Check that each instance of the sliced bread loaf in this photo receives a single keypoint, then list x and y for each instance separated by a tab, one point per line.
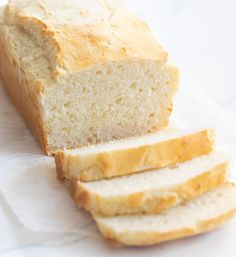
152	191
199	215
134	154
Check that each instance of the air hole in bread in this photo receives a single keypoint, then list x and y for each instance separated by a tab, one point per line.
90	140
67	105
119	100
154	88
133	85
98	72
151	114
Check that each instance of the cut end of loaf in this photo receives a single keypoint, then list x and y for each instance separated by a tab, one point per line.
109	101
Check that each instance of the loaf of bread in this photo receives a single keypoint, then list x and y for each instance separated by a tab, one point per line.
202	214
152	191
82	72
135	154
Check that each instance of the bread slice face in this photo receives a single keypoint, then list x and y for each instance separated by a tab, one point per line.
152	191
202	214
113	100
132	155
79	73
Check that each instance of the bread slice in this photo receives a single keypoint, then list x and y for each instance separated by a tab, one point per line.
202	214
79	74
134	154
152	191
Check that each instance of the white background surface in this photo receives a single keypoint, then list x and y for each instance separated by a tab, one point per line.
200	36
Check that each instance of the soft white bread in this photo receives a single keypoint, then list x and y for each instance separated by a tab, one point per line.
202	214
152	191
79	74
134	154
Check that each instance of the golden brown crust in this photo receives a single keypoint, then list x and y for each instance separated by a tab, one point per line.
126	161
150	201
58	161
17	87
107	32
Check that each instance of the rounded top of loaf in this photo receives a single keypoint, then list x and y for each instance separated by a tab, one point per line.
78	34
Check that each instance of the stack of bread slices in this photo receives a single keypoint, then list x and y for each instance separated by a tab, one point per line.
153	188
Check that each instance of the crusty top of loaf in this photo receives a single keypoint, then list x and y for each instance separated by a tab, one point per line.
76	34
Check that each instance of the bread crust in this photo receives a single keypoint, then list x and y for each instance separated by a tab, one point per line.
17	87
149	201
78	30
143	238
127	161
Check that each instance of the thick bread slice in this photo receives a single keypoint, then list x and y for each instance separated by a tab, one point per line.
199	215
152	191
79	74
134	154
